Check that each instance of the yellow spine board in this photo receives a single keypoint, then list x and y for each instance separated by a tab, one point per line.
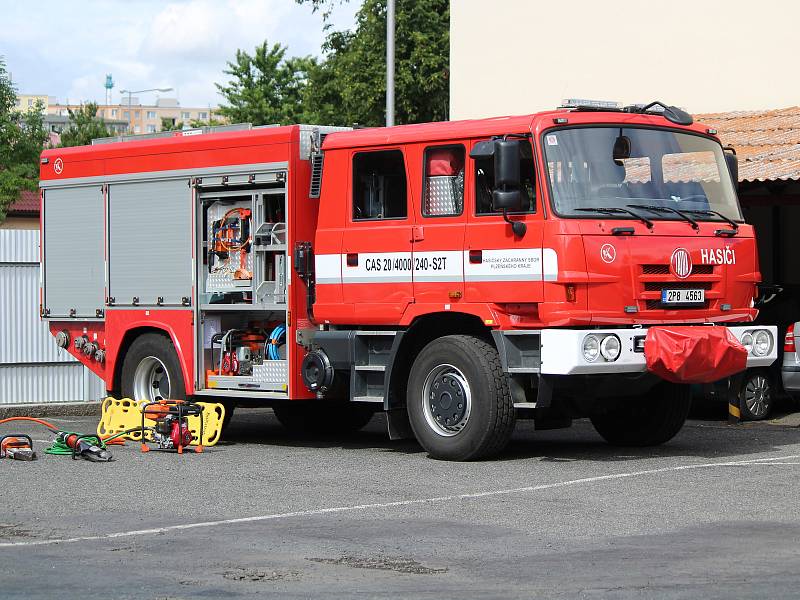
120	415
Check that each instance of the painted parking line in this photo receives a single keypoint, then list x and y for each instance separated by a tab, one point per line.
774	461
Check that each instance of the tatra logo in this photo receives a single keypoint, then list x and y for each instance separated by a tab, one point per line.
58	166
608	253
718	256
680	263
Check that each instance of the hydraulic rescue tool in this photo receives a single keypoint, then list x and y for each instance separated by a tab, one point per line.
78	445
17	447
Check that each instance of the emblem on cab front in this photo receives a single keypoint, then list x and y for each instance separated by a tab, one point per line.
608	253
680	263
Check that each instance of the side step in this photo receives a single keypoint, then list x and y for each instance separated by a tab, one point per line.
372	355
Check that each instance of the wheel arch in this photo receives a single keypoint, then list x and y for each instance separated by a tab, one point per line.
421	332
134	332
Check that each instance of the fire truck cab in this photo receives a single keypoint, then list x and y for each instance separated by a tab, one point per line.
589	261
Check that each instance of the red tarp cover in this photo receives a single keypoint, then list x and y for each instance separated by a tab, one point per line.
693	354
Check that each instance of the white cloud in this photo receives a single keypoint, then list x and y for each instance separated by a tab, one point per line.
148	43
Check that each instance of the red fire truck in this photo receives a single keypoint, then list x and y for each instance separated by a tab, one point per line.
588	261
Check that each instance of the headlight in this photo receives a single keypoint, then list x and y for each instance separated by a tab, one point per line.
762	343
591	348
610	348
747	342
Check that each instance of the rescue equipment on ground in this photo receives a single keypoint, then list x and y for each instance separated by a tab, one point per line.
694	354
17	446
130	416
78	445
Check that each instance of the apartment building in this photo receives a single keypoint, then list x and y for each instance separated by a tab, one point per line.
145	118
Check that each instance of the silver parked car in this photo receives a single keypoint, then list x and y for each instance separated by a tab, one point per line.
790	368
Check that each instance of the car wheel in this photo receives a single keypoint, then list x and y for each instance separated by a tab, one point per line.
756	396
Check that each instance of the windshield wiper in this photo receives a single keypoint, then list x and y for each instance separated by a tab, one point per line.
730	221
615	210
668	209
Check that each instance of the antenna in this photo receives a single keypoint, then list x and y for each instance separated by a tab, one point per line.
108	85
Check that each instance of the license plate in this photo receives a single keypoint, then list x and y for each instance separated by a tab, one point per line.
683	297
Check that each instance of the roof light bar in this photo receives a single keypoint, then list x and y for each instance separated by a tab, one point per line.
585	103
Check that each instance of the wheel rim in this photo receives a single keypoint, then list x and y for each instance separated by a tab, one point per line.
757	396
446	400
151	380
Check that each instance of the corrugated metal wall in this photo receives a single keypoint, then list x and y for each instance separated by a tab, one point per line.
32	367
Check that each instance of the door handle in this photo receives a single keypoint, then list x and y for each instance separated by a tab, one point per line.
352	259
417	233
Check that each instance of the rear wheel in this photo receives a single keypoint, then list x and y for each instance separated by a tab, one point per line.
647	420
151	370
756	396
458	399
323	416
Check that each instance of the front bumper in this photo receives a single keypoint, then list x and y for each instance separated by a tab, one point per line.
562	350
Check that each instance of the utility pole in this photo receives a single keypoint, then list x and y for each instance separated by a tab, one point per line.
389	63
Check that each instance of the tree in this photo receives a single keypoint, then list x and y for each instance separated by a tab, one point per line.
349	86
266	87
22	137
84	126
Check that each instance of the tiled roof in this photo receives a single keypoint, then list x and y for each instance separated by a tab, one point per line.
767	142
26	204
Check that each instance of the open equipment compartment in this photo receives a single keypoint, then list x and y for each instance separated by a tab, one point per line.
242	278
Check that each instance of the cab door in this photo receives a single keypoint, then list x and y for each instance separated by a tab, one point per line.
376	242
440	223
500	267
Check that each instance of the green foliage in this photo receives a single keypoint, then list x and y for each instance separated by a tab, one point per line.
22	137
349	85
84	126
169	125
265	87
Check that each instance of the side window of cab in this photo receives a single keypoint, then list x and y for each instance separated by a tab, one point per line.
380	189
484	182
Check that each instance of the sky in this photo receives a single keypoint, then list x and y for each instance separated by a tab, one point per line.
65	49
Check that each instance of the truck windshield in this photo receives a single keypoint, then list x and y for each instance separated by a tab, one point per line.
613	167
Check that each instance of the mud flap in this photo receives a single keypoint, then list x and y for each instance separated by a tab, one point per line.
694	354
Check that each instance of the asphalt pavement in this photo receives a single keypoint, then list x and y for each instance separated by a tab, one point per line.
712	514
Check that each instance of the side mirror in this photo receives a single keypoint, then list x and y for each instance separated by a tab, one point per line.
733	165
506	163
506	199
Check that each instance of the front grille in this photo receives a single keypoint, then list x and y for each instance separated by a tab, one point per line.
664	270
657	286
655	269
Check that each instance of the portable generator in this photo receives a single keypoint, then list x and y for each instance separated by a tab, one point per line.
171	430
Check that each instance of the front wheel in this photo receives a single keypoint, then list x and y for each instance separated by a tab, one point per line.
458	399
647	420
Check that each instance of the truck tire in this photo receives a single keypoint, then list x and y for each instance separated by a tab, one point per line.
647	420
151	370
323	416
458	399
